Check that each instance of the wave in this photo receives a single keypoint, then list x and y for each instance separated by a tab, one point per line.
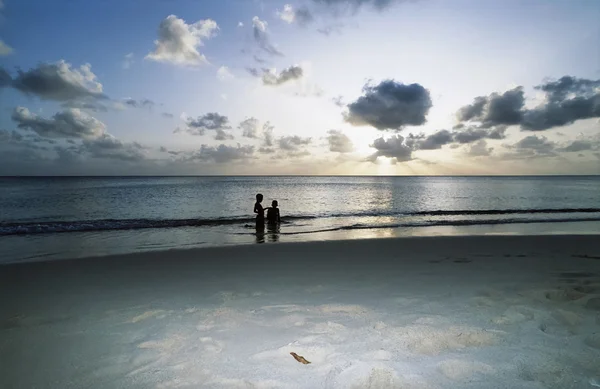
30	227
441	223
506	211
16	228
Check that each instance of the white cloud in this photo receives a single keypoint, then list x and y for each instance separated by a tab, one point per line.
224	74
287	15
5	49
240	24
178	42
128	61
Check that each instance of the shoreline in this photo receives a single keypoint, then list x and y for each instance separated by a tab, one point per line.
80	245
185	253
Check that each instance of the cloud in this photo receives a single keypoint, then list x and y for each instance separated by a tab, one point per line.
273	79
128	60
167	115
341	7
71	123
338	101
330	29
495	109
223	153
223	135
250	128
480	149
209	122
254	72
259	28
394	147
567	100
224	74
287	15
434	141
240	24
178	42
292	143
5	49
87	105
534	145
465	135
302	16
143	103
107	146
390	105
56	81
339	142
577	146
268	134
258	59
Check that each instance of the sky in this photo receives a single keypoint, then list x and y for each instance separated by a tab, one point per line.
311	87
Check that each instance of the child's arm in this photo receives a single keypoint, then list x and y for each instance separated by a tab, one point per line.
278	217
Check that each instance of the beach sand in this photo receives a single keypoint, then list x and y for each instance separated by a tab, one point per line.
436	312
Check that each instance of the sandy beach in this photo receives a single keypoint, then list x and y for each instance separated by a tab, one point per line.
431	312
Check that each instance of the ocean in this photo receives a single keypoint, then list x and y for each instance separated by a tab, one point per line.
73	217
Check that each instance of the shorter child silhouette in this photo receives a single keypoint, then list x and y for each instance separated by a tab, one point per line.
273	213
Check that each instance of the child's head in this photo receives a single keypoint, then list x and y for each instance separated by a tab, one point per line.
274	204
259	198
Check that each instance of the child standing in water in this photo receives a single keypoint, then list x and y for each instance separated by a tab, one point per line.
260	213
273	213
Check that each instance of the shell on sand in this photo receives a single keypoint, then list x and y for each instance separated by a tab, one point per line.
299	358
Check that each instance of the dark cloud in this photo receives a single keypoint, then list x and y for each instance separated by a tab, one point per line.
465	135
577	146
292	143
254	72
223	153
394	147
390	105
339	142
211	121
558	91
249	128
109	147
57	81
354	5
561	113
534	145
289	74
5	78
434	141
568	100
167	115
496	109
71	123
143	103
303	16
223	135
259	29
